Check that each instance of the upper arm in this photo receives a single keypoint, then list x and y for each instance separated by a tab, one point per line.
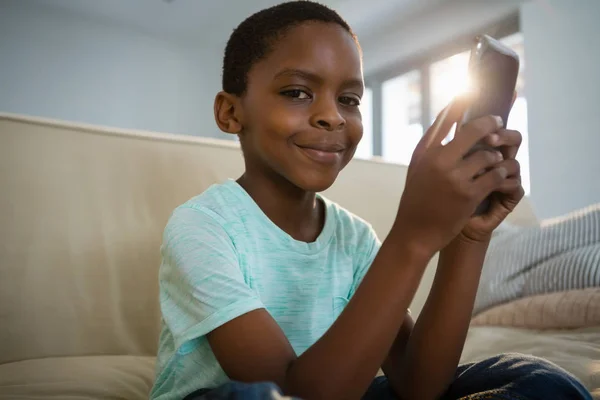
203	292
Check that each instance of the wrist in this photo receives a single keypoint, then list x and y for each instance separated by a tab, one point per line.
463	252
462	240
416	250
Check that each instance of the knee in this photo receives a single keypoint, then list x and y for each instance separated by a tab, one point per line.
541	374
529	364
520	363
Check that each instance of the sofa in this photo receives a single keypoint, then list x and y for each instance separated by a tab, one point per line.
82	212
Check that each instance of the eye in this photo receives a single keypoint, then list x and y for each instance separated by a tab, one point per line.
296	94
350	101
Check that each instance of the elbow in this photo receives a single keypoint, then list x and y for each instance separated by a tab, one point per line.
422	392
314	385
415	387
318	389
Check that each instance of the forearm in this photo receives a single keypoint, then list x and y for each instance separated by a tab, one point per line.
431	355
344	361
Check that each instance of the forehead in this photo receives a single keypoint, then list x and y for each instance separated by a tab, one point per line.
324	48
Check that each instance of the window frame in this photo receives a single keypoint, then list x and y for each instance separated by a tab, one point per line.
503	28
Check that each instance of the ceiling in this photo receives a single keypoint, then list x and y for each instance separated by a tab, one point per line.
212	20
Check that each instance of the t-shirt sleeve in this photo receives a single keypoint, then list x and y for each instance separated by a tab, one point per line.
201	283
367	247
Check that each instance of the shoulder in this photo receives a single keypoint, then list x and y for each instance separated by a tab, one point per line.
213	212
218	201
199	237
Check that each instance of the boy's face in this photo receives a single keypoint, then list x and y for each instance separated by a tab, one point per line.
300	113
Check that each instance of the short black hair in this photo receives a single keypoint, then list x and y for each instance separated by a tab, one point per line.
254	38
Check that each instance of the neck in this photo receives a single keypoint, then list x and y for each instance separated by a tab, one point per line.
296	211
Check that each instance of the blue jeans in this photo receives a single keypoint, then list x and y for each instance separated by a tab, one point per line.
503	377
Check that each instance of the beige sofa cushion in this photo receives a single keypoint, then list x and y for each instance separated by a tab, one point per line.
81	218
78	378
559	310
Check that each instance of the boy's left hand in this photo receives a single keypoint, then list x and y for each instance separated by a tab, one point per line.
507	196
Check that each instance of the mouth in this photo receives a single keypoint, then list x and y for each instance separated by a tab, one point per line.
323	153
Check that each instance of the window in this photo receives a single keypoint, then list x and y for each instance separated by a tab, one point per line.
401	118
435	83
449	77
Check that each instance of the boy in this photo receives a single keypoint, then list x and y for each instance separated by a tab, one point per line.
266	282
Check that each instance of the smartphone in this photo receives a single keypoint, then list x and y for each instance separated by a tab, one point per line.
493	72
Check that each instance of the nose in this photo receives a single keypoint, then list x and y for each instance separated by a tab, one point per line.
327	115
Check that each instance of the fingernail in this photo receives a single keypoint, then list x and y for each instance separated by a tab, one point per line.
503	172
494	138
499	121
499	156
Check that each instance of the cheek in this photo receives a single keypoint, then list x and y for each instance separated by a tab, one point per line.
355	129
270	129
280	123
286	121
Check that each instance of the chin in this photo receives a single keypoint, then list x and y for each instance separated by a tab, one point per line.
315	181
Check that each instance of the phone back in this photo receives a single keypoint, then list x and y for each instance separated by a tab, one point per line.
493	69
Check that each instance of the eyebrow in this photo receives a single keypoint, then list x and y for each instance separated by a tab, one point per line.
310	76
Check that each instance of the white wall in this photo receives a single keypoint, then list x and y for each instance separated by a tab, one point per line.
63	66
563	90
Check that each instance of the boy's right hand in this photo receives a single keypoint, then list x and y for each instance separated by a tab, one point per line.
443	188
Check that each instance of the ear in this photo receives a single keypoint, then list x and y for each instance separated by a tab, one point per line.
228	113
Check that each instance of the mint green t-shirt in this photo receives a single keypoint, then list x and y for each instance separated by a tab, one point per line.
223	257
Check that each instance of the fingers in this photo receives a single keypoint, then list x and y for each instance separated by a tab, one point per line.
478	162
510	186
504	203
496	178
507	141
504	137
511	192
450	115
472	133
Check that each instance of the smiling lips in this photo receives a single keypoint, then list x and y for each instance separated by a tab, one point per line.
325	153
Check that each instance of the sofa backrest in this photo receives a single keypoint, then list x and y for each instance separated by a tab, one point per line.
82	210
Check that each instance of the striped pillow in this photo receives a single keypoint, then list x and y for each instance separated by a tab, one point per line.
559	255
